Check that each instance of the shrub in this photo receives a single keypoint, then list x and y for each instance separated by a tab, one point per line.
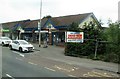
111	57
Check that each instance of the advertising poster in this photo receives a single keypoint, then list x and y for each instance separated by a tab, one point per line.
74	37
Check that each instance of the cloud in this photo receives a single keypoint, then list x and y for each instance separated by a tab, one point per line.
12	10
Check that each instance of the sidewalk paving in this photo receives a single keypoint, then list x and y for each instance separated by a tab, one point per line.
57	53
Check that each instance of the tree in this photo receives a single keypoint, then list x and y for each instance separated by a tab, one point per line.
100	21
73	27
109	21
112	36
88	47
48	16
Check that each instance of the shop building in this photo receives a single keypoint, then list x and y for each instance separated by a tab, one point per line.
52	29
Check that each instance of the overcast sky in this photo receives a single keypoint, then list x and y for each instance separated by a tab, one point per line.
15	10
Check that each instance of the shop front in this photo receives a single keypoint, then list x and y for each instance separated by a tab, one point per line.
6	32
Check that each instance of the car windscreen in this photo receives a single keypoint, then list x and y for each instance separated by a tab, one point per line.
23	42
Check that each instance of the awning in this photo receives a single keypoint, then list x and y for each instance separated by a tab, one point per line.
42	31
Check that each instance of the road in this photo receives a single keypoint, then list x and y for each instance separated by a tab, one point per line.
16	65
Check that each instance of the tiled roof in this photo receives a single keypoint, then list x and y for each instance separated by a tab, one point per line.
67	20
8	25
23	24
34	23
62	21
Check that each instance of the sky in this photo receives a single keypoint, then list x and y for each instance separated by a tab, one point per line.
16	10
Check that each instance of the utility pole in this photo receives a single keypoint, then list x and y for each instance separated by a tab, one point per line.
96	47
39	28
119	11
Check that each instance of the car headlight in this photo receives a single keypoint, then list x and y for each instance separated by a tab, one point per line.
25	47
33	48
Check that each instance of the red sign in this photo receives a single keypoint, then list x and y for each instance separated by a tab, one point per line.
74	37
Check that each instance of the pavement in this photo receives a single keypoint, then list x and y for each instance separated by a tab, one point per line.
56	53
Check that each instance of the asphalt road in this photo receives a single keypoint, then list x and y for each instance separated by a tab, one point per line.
14	66
41	63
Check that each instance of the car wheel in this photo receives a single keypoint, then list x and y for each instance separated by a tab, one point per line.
10	47
20	49
2	43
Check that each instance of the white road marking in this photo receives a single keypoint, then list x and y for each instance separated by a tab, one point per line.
32	63
71	75
22	55
18	53
9	76
63	69
49	69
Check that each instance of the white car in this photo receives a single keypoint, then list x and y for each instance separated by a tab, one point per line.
21	45
5	41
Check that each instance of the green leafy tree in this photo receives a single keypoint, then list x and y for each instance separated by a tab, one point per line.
86	48
108	45
73	27
112	36
48	16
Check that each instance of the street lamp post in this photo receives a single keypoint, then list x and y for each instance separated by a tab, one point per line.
40	24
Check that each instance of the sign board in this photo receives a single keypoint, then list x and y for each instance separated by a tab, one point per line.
39	26
5	30
74	37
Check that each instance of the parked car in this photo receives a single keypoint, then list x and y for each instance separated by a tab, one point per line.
5	41
21	45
